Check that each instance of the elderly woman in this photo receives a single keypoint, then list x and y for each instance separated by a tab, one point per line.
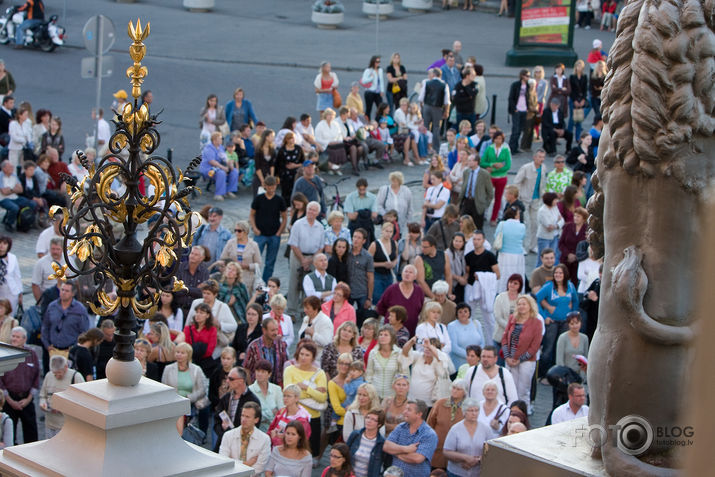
233	292
184	376
214	165
573	233
336	229
520	344
445	413
243	250
511	254
383	362
223	319
329	135
505	306
464	443
492	414
404	294
292	411
550	223
316	325
395	406
366	444
432	328
339	308
395	196
440	289
11	281
314	389
345	341
428	367
278	304
325	82
463	332
384	254
365	400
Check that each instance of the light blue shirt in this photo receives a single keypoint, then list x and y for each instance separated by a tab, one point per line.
274	400
353	202
513	233
462	336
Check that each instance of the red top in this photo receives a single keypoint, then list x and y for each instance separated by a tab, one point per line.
326	83
346	313
205	335
529	339
368	349
54	171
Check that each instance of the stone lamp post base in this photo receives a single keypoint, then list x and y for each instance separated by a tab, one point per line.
109	429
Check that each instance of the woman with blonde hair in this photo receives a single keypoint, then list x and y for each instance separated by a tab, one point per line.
324	84
335	230
142	348
187	378
578	98
396	81
244	250
7	322
520	344
596	86
345	341
162	351
432	328
365	400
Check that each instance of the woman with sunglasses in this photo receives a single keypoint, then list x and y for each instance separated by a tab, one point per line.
243	250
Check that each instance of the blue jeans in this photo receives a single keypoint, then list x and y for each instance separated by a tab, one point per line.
579	126
20	32
13	206
471	117
518	121
272	243
382	281
546	243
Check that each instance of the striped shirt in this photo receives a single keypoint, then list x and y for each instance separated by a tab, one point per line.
362	456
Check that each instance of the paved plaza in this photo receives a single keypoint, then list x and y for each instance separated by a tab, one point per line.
272	50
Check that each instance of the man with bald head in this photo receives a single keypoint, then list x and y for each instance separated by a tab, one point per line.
319	283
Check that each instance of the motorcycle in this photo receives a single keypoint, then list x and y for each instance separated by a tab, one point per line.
46	36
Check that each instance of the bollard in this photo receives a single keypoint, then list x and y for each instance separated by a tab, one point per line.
494	109
169	154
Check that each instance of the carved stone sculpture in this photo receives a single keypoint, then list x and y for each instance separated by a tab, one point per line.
655	160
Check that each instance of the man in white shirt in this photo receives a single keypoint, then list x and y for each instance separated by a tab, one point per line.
42	246
258	450
304	128
531	180
307	237
319	283
574	408
103	130
489	370
43	268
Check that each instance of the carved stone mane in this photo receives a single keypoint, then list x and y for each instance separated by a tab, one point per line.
659	95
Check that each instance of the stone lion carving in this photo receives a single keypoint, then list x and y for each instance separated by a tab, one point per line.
654	161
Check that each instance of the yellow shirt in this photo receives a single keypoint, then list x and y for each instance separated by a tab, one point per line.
355	101
294	375
337	396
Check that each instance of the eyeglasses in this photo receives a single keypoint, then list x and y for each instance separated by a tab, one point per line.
559	162
232	378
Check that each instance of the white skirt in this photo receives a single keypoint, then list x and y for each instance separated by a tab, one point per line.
510	263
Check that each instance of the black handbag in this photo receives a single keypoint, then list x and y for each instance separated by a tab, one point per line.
199	348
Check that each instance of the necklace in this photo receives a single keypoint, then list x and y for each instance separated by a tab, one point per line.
394	403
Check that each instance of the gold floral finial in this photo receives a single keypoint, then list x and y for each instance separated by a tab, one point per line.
137	50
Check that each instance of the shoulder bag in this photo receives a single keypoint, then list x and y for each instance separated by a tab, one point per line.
337	99
310	402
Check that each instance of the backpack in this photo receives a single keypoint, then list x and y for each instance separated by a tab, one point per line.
26	219
31	320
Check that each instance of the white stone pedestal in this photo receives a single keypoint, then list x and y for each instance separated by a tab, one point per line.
118	431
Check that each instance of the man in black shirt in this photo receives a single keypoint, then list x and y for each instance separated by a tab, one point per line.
106	347
268	220
482	267
227	414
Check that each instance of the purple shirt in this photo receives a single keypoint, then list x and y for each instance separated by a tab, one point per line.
393	296
22	379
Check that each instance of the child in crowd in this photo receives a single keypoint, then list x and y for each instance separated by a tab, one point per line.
384	136
391	216
511	196
353	381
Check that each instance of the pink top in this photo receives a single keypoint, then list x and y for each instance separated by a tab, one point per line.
282	419
346	313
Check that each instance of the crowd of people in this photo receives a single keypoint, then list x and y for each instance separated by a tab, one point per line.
403	339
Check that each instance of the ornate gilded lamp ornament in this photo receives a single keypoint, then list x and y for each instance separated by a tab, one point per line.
130	186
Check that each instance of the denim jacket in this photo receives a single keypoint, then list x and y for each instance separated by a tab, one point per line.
374	467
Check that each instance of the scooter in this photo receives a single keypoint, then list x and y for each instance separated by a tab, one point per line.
46	36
